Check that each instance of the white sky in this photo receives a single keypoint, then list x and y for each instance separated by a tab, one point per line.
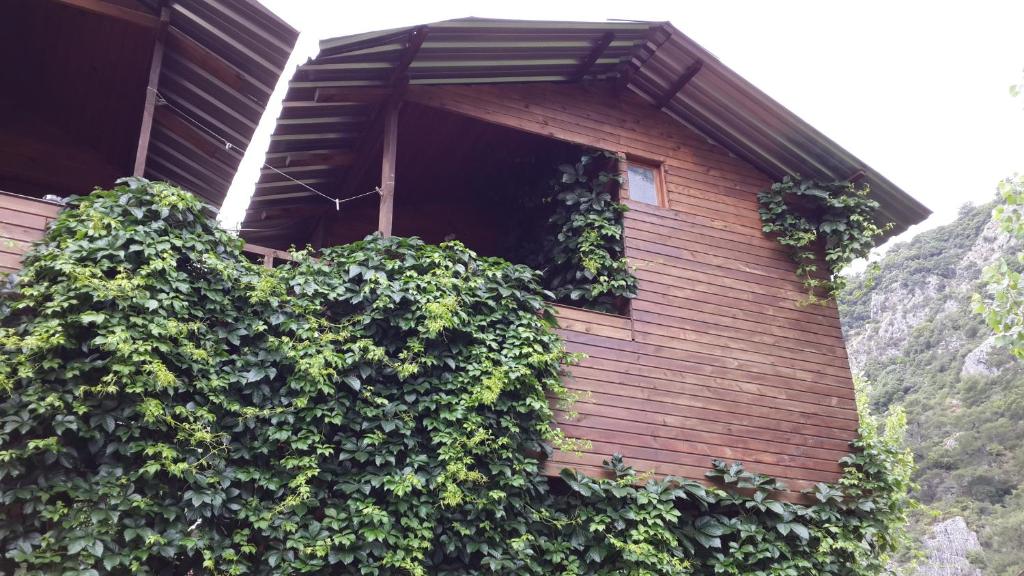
918	90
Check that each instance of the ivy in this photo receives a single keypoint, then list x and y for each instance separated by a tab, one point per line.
170	407
811	217
582	256
1002	305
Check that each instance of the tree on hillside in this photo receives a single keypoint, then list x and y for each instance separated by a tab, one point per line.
1002	304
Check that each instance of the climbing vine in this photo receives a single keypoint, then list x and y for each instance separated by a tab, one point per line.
810	217
1002	305
582	256
169	407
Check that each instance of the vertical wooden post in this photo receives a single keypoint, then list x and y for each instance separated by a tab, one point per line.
622	167
155	65
387	169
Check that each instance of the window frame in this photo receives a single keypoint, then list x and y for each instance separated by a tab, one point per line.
658	167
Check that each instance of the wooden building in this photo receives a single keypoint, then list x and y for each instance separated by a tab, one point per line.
715	358
94	90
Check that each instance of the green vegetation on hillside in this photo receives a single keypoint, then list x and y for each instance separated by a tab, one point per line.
913	333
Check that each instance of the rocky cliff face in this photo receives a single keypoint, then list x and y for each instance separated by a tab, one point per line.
911	332
948	547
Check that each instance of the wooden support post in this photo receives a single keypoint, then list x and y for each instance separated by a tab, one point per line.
155	65
622	169
387	169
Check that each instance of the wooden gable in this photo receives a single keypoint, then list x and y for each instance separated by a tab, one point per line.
716	358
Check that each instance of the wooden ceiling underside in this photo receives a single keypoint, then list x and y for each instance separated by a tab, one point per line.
80	68
328	133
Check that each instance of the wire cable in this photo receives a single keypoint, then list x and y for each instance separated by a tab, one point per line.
163	101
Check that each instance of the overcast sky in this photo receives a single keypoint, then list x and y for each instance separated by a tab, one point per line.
918	90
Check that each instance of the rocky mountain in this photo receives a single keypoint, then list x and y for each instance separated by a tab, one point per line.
911	333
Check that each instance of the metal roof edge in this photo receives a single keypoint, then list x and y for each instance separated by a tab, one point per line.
890	195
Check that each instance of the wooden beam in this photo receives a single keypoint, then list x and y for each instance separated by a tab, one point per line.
412	48
268	254
595	53
183	130
371	141
387	169
200	56
656	37
361	94
155	65
112	10
679	84
332	158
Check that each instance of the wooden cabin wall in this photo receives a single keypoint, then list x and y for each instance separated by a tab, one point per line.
717	359
23	221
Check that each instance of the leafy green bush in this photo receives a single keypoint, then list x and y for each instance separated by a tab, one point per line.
1002	306
808	216
582	256
383	409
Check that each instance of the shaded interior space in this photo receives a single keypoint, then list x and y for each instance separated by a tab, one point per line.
72	91
456	178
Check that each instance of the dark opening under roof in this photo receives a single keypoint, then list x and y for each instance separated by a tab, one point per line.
333	100
76	110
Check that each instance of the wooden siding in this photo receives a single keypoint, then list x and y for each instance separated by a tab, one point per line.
22	222
717	359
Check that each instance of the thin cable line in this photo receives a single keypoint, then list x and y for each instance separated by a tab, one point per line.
163	101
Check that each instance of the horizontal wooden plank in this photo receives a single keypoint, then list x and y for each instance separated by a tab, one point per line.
12	246
719	366
693	452
591	316
660	323
701	242
719	273
589	322
766	279
600	411
749	324
23	233
706	344
19	218
29	205
670	296
675	220
813	392
791	412
10	262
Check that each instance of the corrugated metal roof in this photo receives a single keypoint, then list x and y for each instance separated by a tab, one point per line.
221	63
334	98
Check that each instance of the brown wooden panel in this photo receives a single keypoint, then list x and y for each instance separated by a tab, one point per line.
600	413
707	364
22	222
719	358
589	322
665	386
28	205
23	219
10	262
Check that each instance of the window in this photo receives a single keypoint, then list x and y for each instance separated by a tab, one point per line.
644	183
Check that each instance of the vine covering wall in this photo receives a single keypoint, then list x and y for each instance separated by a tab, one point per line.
833	222
582	256
169	407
